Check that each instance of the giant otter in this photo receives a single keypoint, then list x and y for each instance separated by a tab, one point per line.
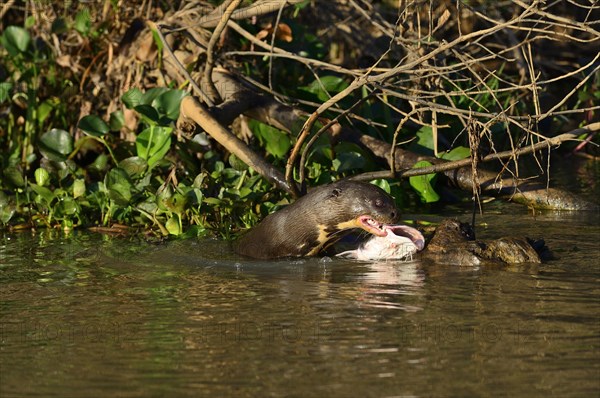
319	219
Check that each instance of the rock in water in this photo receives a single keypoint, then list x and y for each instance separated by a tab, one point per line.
453	243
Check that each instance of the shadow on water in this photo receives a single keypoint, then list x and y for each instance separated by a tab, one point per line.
192	318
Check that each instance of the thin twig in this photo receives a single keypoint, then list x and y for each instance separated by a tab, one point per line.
273	36
6	7
197	90
230	6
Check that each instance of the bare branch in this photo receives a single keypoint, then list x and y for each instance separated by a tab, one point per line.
230	6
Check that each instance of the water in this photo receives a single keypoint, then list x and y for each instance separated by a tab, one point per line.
91	315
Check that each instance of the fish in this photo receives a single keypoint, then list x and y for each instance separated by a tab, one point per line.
400	242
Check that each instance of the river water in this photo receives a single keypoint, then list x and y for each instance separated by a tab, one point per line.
92	315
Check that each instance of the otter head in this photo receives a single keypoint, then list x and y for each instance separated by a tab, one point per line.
352	204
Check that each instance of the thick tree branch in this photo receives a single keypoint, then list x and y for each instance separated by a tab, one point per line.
192	110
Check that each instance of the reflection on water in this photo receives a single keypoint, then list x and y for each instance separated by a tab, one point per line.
90	315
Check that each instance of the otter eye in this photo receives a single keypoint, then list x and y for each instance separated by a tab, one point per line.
336	192
378	203
393	214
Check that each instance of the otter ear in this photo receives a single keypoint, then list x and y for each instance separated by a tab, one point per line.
336	193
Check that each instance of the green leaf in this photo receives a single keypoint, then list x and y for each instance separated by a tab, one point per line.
230	173
78	188
423	184
119	186
172	226
275	141
134	166
176	203
67	206
236	163
153	143
5	88
132	98
424	142
219	167
14	176
162	195
299	6
116	120
194	231
30	22
43	193
7	210
199	180
41	176
195	197
15	39
325	85
6	213
83	22
350	161
148	207
148	113
150	95
383	184
44	110
116	176
212	201
56	145
100	164
168	103
65	169
142	183
93	125
458	153
245	191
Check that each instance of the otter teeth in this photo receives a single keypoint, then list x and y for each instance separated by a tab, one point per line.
374	223
371	225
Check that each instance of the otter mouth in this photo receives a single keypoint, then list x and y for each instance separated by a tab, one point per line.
371	225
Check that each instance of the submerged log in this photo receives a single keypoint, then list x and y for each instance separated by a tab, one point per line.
530	193
453	243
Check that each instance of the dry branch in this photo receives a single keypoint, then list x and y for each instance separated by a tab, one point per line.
230	6
259	7
192	110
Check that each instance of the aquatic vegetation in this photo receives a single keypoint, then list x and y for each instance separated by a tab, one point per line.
90	99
